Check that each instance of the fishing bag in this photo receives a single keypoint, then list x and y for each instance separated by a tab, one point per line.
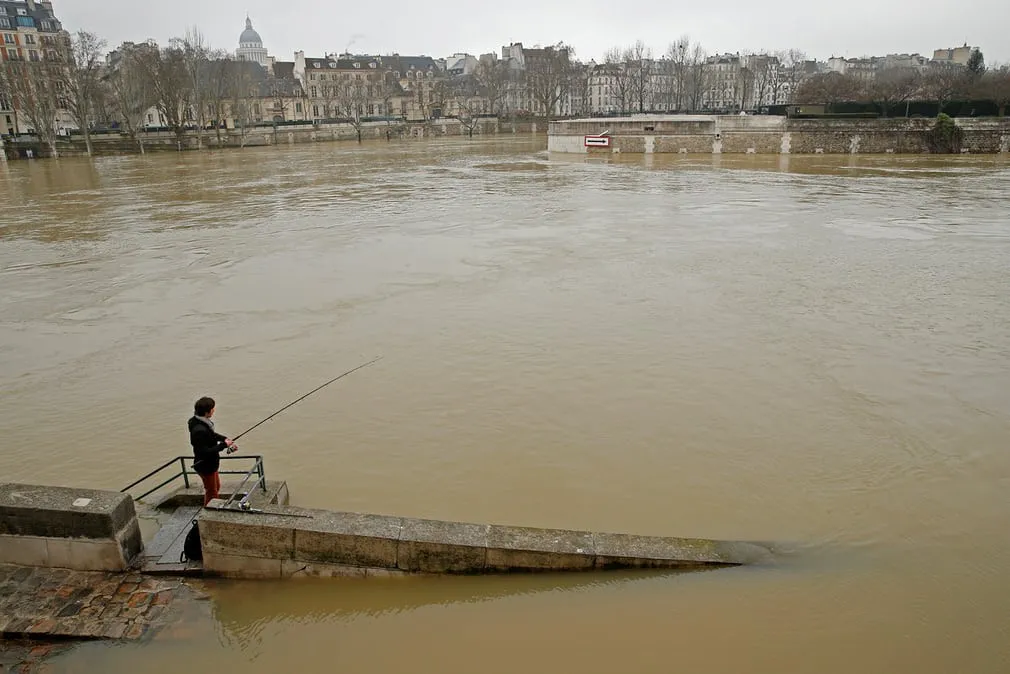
192	550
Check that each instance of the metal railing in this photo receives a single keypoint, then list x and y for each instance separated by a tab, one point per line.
185	472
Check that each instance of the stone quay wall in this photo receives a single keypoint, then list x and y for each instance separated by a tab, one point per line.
105	145
717	134
295	542
80	529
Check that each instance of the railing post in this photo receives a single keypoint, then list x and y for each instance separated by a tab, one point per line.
262	472
185	474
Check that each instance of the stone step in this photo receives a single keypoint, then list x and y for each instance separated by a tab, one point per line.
171	535
173	554
174	569
276	494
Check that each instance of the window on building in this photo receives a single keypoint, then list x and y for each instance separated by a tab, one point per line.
150	118
33	55
298	108
26	21
22	11
314	92
371	109
315	110
3	11
29	39
8	38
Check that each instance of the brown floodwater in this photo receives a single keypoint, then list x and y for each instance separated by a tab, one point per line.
809	351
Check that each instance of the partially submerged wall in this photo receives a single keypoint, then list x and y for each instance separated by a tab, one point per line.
81	529
717	134
292	542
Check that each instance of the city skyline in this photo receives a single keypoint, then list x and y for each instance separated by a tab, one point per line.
285	29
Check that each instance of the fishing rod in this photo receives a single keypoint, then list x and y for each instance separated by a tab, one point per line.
318	388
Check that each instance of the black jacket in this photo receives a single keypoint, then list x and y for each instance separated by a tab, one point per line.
207	446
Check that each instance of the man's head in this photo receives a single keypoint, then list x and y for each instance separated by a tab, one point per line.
204	407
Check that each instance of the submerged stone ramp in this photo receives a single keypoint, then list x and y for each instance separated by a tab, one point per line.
45	604
285	541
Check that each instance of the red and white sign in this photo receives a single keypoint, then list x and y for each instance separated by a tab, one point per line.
597	141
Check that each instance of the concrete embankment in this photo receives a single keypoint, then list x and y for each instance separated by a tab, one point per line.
82	529
719	134
280	136
292	542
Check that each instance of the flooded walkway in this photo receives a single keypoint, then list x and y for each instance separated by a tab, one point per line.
58	604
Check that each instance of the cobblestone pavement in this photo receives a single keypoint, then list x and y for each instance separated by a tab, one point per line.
43	604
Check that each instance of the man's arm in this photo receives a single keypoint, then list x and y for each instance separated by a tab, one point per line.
223	442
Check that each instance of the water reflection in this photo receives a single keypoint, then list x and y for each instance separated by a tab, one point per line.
242	609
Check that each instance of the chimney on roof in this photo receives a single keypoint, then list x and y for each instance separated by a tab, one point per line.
31	4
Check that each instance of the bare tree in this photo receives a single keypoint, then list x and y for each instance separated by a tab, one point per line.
828	89
617	72
791	73
166	71
218	90
580	88
698	77
468	101
745	85
350	96
678	56
132	92
547	76
37	92
943	83
243	89
638	65
891	87
82	80
994	85
493	76
196	60
763	68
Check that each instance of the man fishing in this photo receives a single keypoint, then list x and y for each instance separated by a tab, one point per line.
207	445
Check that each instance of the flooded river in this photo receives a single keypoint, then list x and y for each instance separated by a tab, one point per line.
812	351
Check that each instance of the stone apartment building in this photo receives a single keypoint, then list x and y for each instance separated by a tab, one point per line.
29	31
953	55
408	87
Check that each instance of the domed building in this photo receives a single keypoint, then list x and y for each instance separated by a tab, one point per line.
250	46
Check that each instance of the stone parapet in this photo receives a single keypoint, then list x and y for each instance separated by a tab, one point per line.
81	529
289	541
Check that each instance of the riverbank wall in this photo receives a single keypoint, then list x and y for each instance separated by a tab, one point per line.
279	136
724	134
286	542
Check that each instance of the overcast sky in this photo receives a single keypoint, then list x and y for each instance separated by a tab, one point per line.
821	29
